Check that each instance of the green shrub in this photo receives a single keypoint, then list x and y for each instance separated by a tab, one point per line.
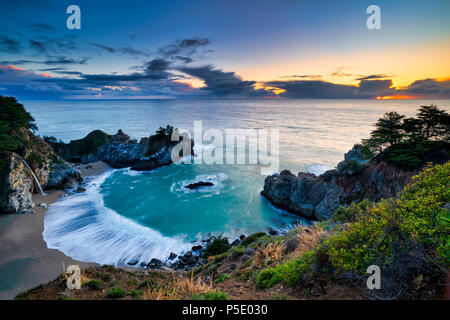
394	225
252	238
289	272
267	278
211	295
148	283
94	284
219	244
222	278
116	292
348	214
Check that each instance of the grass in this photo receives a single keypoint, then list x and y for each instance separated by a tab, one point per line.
94	284
211	295
116	292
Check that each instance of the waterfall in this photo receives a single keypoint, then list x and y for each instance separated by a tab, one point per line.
34	176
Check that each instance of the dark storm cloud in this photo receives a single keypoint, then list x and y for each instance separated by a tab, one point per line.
37	46
9	45
64	60
303	76
156	69
308	89
430	87
373	76
46	45
40	27
186	47
375	88
106	48
121	50
222	83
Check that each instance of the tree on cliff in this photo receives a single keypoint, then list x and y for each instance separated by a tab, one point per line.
388	131
431	124
13	116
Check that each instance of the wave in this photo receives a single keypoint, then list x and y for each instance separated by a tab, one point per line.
216	178
83	228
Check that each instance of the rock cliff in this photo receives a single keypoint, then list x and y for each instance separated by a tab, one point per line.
354	179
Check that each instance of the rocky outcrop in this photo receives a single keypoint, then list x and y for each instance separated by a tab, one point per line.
17	181
62	176
119	151
318	197
16	185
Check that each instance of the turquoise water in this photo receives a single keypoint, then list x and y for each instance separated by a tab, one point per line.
159	199
125	215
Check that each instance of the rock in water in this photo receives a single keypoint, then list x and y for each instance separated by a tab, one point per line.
199	184
318	197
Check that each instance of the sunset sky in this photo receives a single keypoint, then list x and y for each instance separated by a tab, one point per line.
200	48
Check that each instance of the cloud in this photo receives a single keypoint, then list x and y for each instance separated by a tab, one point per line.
222	83
64	60
106	48
376	88
429	88
311	89
46	45
40	27
373	76
183	49
9	45
121	50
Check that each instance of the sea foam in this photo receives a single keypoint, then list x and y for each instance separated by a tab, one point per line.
83	228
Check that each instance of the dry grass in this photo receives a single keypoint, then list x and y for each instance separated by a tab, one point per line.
309	238
181	286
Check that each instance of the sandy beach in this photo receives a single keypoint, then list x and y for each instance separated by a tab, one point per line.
25	260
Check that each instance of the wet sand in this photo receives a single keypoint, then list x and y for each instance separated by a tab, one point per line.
25	260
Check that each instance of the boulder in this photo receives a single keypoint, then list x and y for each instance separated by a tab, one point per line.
199	184
62	176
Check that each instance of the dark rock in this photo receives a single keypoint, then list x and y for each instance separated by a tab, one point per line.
62	176
235	242
249	251
197	248
242	237
133	262
199	184
155	264
290	244
80	190
318	197
172	256
192	260
272	231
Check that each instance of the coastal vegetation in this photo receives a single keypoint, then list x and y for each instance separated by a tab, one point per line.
405	233
404	141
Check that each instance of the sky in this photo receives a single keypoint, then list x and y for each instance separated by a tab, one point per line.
224	49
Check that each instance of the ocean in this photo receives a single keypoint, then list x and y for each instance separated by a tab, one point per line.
126	215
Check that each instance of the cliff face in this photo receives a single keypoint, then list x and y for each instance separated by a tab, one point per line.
318	197
119	151
17	182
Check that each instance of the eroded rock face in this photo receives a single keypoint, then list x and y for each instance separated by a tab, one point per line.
62	175
318	197
17	185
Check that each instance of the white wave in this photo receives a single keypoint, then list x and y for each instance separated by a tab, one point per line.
83	228
216	178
